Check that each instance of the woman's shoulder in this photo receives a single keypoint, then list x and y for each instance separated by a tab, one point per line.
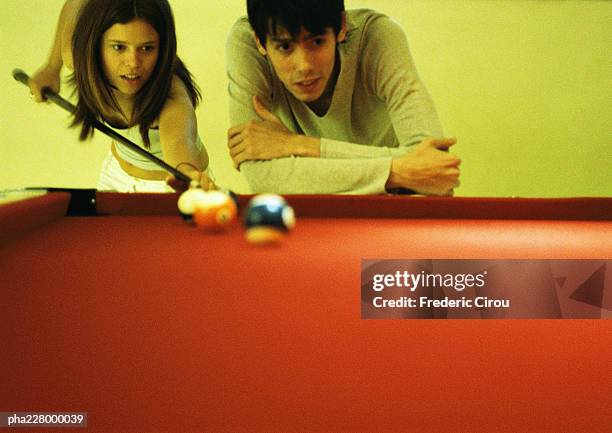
178	89
178	101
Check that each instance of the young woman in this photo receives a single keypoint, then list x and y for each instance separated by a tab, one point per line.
127	74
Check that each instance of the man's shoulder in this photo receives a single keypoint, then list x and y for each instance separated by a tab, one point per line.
361	19
368	29
361	15
240	29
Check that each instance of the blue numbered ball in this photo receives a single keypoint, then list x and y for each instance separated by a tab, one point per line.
268	218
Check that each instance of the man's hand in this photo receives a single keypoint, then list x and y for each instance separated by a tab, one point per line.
264	140
427	169
45	77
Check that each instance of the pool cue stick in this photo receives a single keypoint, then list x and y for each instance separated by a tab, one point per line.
22	77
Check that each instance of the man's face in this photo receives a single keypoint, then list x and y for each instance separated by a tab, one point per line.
305	64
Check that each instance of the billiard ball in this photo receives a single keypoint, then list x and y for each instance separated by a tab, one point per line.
188	200
233	196
215	211
268	218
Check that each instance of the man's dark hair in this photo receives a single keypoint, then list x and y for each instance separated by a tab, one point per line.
315	16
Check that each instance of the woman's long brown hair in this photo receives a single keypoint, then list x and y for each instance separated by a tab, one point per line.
93	89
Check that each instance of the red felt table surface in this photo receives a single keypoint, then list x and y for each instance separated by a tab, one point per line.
151	326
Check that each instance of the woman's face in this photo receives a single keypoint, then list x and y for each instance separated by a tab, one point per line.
129	54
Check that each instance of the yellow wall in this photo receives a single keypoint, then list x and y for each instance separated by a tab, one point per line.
524	85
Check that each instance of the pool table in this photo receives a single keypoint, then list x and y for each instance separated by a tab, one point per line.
124	311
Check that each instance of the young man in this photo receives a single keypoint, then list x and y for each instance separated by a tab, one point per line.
328	101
